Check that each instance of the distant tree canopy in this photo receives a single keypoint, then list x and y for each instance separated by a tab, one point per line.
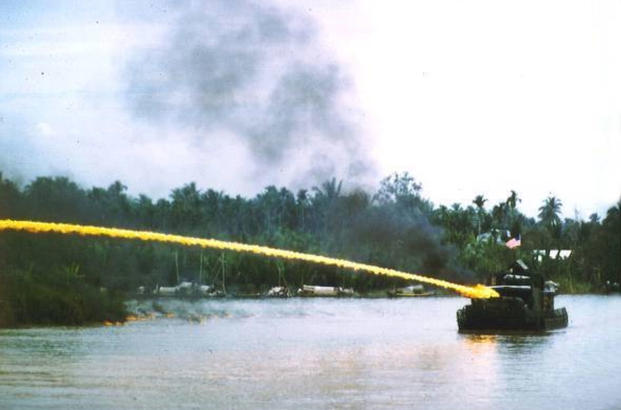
394	227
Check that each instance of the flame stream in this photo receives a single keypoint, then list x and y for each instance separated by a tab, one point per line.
478	291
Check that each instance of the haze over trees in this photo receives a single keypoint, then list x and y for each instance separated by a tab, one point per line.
68	279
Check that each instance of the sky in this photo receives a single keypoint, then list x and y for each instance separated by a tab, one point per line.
479	97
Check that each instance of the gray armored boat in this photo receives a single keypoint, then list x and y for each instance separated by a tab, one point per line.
526	303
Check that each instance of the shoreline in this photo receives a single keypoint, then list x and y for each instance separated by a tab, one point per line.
153	308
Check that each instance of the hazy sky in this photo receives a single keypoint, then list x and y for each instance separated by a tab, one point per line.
476	97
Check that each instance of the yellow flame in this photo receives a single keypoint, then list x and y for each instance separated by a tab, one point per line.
478	291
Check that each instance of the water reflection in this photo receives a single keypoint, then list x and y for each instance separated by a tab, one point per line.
479	341
514	342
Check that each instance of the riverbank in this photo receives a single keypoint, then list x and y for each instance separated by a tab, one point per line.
63	298
569	285
27	299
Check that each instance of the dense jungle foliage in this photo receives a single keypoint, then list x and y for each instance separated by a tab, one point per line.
68	279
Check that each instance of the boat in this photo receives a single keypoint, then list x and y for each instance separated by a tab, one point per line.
408	291
278	292
526	303
612	287
324	291
182	290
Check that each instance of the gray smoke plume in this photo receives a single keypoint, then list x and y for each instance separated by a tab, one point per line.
254	73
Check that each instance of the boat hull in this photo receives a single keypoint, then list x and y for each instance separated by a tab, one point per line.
508	314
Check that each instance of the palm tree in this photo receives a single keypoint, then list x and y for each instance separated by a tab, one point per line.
329	191
513	215
499	213
513	199
549	212
479	201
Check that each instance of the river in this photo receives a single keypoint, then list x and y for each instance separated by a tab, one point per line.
317	353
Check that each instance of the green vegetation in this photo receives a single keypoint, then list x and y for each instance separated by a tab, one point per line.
68	279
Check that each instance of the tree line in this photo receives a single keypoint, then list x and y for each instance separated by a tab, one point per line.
86	279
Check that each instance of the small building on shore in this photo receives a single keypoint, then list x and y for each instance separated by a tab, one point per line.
556	254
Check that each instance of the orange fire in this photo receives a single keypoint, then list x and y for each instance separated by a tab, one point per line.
478	291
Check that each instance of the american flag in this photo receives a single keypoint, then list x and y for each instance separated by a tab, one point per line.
514	242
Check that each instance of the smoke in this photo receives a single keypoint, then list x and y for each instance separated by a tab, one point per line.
414	240
259	75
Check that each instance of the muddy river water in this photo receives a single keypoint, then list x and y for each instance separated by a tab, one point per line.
317	353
